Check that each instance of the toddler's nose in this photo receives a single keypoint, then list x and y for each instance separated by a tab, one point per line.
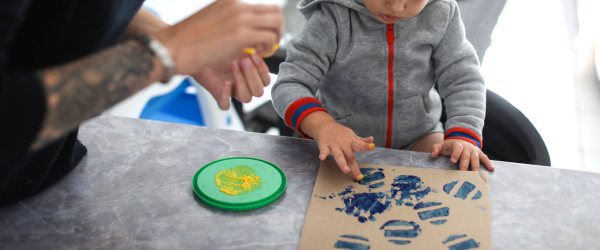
396	5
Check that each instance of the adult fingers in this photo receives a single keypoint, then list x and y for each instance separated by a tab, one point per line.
223	101
242	93
267	17
263	69
456	150
474	161
436	149
261	39
352	163
339	158
253	80
486	161
465	159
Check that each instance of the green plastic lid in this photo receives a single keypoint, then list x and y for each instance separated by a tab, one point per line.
271	185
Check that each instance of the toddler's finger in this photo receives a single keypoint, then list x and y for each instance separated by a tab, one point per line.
324	152
474	161
353	164
338	155
358	145
367	140
465	159
456	150
486	161
435	149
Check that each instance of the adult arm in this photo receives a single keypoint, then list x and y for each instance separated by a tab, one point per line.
76	91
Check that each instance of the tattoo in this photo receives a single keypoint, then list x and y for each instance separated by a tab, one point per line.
79	90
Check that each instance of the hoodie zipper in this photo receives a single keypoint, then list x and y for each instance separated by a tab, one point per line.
390	40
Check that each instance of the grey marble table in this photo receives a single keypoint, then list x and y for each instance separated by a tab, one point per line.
133	191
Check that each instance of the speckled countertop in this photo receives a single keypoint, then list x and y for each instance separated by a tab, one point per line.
133	191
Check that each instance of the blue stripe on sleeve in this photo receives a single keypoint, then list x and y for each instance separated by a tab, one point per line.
301	110
464	135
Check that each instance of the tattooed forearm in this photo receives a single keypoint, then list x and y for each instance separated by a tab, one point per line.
82	89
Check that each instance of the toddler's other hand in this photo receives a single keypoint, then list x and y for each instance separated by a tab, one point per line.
341	142
468	153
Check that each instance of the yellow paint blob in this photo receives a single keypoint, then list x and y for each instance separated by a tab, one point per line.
252	51
239	180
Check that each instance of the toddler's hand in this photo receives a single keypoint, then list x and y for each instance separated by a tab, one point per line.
341	142
467	152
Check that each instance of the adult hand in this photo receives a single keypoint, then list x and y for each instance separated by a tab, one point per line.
468	154
243	78
219	32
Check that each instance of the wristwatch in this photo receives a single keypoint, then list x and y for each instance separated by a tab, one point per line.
161	52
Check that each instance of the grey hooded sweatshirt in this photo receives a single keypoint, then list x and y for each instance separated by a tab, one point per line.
378	79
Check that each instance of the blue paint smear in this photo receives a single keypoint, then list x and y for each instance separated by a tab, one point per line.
376	185
438	222
476	196
372	177
482	208
366	171
358	237
347	191
454	237
411	233
469	244
380	169
404	190
464	190
371	203
400	242
449	186
321	197
445	211
408	186
426	204
350	245
330	197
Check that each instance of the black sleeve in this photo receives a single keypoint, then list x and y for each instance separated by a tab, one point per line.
22	101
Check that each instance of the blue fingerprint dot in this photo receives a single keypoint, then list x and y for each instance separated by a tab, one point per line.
449	186
400	242
438	222
477	196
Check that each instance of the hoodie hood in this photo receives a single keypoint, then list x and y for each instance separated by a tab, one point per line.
307	7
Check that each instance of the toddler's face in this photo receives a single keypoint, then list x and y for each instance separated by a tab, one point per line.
391	11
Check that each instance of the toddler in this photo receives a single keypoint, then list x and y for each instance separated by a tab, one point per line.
362	73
